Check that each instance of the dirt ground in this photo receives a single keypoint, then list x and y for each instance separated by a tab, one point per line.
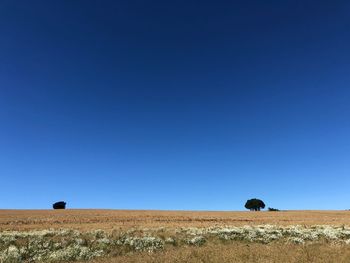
116	219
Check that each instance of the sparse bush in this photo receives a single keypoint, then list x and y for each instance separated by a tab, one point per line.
170	241
59	205
11	255
196	241
273	209
149	244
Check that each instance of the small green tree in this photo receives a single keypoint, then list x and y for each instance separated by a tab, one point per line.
254	204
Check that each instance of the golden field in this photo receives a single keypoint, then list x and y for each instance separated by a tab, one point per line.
116	219
241	253
127	236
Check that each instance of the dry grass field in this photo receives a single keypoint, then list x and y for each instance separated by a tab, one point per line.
116	219
241	253
126	236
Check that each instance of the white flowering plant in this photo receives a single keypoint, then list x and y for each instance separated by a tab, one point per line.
71	245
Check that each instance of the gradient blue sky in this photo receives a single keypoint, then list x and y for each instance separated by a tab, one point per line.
175	104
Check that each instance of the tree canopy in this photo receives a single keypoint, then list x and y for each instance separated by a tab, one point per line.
254	204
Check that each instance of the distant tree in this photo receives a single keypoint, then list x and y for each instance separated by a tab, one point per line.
59	205
254	204
273	209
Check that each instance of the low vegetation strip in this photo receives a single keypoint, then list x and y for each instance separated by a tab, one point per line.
85	220
71	245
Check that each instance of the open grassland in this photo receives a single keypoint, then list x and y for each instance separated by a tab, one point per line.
117	219
102	236
241	253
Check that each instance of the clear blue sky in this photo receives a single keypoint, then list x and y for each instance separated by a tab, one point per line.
175	104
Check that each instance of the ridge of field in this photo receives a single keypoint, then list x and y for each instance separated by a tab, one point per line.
88	219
